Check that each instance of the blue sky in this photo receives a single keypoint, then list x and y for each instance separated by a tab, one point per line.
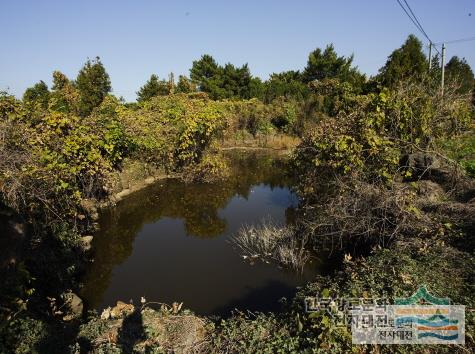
137	38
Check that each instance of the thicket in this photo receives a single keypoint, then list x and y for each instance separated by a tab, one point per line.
368	134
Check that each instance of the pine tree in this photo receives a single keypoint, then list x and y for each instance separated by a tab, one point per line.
406	62
327	64
459	72
93	84
153	87
185	85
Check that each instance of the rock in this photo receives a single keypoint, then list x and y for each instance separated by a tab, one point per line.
86	242
106	314
73	305
149	180
420	164
123	194
121	309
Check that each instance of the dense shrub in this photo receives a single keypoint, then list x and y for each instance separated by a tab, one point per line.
51	160
370	132
259	118
211	168
172	130
22	336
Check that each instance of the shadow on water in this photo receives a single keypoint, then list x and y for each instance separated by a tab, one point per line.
253	298
170	242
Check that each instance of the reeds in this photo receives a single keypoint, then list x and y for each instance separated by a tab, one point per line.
267	241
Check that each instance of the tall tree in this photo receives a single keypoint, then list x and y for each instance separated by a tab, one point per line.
185	85
153	87
221	82
60	80
459	72
288	84
327	64
39	93
236	81
206	74
93	84
406	62
257	88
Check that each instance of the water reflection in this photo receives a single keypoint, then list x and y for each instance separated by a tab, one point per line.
169	242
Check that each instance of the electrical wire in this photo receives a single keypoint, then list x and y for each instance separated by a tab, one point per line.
457	40
415	18
415	21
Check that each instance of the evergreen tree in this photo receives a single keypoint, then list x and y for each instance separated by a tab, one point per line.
236	81
327	64
435	72
153	87
206	74
257	88
60	80
38	93
221	82
459	72
406	62
93	84
185	85
288	84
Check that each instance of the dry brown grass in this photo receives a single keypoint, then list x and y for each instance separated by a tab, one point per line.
180	333
375	213
268	241
280	142
270	141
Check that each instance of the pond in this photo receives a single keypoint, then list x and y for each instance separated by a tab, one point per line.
171	242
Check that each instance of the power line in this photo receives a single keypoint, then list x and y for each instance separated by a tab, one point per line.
415	21
415	18
457	40
410	17
420	28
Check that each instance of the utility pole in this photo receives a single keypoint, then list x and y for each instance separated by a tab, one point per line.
430	56
443	68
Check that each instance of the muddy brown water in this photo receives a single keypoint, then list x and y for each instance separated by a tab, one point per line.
171	242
